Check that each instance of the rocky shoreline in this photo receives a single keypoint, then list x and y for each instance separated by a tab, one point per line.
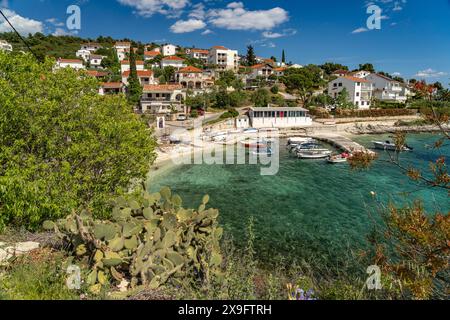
383	129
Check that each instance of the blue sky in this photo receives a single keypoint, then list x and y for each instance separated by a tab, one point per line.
414	39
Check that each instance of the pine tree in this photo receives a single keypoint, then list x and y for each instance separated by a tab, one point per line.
134	87
251	57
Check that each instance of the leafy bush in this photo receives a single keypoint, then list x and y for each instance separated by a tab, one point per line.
62	145
341	113
275	89
231	113
151	240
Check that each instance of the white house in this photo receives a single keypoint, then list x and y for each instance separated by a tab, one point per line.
193	78
95	61
145	77
69	63
169	50
199	54
91	46
163	99
359	90
5	46
83	54
279	117
122	48
359	74
125	65
387	89
150	55
111	88
173	61
261	70
224	58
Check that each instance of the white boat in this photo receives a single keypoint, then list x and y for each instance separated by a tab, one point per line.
340	158
265	152
388	145
297	141
250	130
314	154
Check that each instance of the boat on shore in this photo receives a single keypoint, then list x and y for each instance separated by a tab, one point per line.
390	146
263	152
313	154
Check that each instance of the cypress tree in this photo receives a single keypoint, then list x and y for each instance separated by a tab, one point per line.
134	87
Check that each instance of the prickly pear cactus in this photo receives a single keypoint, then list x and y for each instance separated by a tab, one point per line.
150	239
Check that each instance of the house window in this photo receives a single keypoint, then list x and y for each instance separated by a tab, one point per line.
335	85
357	94
340	84
358	84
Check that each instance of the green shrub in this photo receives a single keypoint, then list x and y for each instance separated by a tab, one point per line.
275	89
62	145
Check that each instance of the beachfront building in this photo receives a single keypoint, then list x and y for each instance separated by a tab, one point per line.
111	88
169	50
359	90
145	77
163	99
199	54
287	117
224	58
5	46
193	78
173	61
125	65
69	63
387	89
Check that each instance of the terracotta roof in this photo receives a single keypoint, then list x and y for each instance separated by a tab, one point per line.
140	73
95	56
261	65
119	43
280	69
152	53
355	79
112	85
70	60
128	62
220	47
95	73
341	72
162	87
200	51
190	69
173	58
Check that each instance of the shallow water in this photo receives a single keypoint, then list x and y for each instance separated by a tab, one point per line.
310	208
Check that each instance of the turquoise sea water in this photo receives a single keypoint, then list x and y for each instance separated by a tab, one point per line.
310	208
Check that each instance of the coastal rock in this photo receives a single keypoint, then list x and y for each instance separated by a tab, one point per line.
17	250
3	256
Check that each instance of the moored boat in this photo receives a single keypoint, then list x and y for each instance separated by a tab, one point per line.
314	154
341	158
390	146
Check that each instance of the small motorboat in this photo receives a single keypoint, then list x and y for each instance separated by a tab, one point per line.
314	154
306	146
390	146
250	130
341	158
265	152
294	142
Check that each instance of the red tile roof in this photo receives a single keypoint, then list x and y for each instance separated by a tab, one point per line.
190	69
94	73
162	87
200	51
151	53
128	62
112	85
70	60
220	47
120	43
140	73
355	79
261	65
341	72
173	58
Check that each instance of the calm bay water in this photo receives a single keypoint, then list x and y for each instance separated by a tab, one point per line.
310	208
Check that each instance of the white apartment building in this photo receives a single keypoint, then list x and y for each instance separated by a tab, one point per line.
69	63
199	54
122	48
5	46
83	54
95	61
279	117
387	89
359	90
125	66
193	78
91	46
224	58
169	50
145	77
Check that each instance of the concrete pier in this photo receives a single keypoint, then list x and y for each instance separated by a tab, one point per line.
342	143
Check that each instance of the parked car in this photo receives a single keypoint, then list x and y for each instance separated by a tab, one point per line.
181	117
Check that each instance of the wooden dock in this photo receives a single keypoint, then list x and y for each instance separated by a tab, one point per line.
342	143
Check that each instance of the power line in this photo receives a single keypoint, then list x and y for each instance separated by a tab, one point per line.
21	38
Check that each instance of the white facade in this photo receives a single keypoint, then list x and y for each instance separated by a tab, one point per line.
125	66
279	117
83	54
224	58
122	48
386	89
5	46
69	63
359	74
169	50
90	46
199	54
359	90
163	99
145	77
95	61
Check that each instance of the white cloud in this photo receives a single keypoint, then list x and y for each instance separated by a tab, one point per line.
23	25
396	74
236	17
186	26
360	30
206	32
55	22
198	11
147	8
430	73
275	35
